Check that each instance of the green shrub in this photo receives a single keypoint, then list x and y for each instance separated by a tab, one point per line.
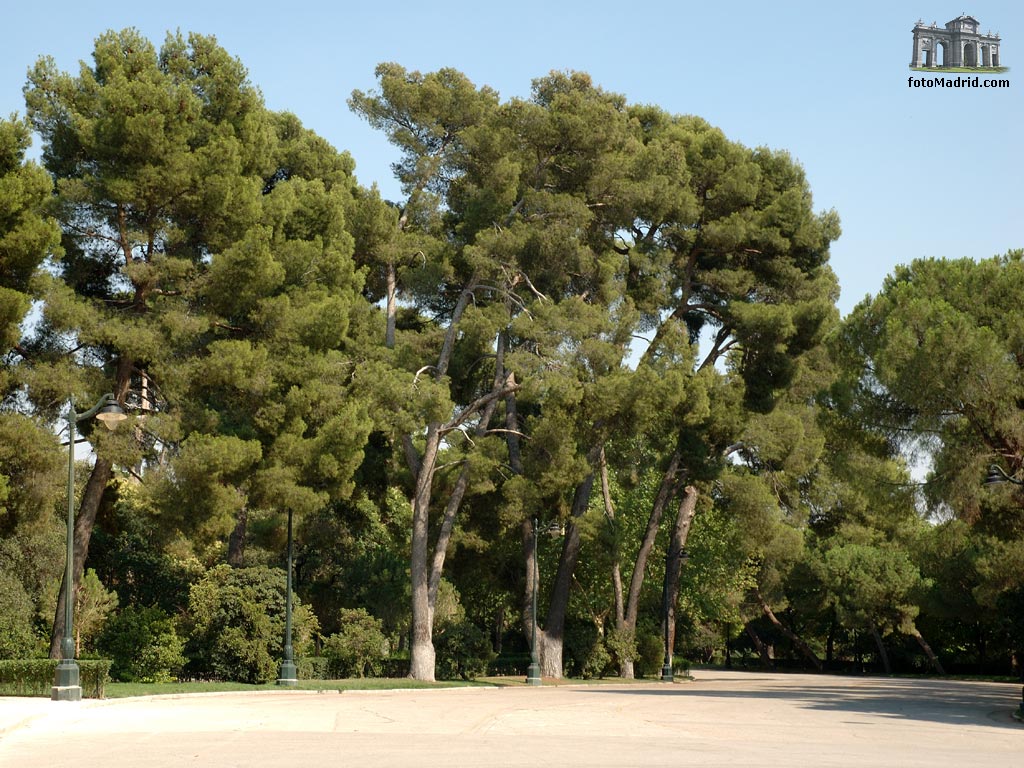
235	625
584	652
358	647
650	654
510	664
34	677
143	646
621	645
462	650
312	667
16	613
93	604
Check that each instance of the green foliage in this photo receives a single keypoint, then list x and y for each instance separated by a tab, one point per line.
16	614
224	256
313	667
132	551
651	654
93	603
934	363
873	585
27	235
34	677
235	624
622	645
584	653
359	646
143	646
463	651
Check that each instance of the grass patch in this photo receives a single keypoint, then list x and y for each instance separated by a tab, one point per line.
123	690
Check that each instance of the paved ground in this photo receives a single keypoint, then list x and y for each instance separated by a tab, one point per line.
720	719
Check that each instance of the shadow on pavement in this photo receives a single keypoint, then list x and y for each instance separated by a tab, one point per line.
937	701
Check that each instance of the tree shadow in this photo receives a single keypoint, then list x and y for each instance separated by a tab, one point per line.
950	702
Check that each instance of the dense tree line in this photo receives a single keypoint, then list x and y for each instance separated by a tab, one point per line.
584	316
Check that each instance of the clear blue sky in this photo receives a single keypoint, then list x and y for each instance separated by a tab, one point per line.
912	172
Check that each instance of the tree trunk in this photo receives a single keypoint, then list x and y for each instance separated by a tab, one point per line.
882	653
526	613
421	660
632	600
390	305
554	624
626	670
936	665
762	650
550	640
515	461
100	476
797	641
236	541
549	654
421	656
830	643
499	629
101	473
444	535
636	581
674	561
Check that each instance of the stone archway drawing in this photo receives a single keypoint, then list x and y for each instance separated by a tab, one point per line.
956	44
970	57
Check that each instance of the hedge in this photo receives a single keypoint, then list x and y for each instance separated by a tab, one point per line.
312	667
34	677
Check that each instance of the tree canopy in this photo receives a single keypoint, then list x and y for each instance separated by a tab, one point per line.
585	317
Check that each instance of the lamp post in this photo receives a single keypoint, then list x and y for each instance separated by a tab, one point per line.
533	672
667	675
996	476
289	675
66	681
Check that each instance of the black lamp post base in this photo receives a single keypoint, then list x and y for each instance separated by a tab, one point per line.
66	686
533	674
66	693
289	674
666	674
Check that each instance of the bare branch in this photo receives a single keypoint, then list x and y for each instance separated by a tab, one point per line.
532	288
424	369
507	387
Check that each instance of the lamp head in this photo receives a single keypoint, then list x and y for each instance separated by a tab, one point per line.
995	476
111	414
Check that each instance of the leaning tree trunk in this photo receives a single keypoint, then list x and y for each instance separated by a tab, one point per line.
882	653
794	638
421	651
551	640
100	476
451	509
762	649
101	473
674	561
936	665
236	541
665	492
